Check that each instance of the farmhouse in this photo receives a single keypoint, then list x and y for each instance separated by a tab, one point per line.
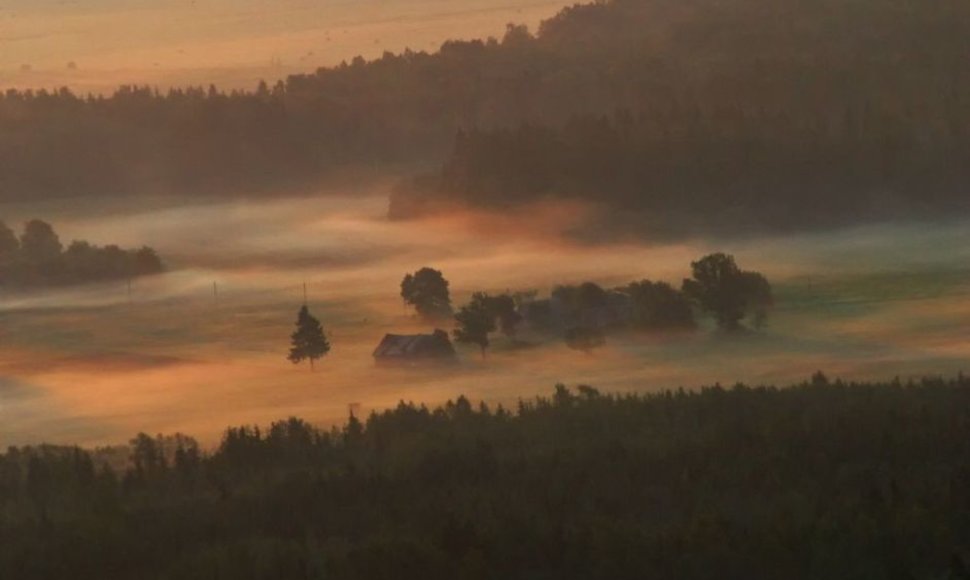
413	349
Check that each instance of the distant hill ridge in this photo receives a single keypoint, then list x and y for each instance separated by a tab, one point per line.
853	106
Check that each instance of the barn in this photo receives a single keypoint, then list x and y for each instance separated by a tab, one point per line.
415	349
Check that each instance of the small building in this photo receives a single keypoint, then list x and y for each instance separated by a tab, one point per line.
415	349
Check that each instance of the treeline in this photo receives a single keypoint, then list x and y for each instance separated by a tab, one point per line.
822	480
721	169
730	100
38	258
583	314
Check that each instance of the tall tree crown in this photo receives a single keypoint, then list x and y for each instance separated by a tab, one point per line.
308	341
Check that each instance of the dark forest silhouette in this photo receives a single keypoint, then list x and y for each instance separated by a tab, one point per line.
38	258
821	480
722	115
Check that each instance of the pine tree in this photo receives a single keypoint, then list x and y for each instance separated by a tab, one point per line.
308	341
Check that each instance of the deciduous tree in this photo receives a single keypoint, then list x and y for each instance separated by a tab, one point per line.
427	291
728	293
475	321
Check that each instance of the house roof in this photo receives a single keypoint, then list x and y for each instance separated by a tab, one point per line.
408	346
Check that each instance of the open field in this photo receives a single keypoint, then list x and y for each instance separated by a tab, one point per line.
88	366
95	46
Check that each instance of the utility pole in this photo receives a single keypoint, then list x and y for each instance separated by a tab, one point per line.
304	294
215	292
129	290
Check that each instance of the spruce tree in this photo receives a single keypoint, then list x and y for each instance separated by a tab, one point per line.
308	341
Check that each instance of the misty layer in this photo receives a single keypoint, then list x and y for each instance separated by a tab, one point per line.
37	258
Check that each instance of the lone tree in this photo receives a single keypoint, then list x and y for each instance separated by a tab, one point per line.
308	341
475	321
729	293
427	291
584	338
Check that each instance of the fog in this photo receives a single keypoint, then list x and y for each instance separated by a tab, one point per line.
93	365
95	45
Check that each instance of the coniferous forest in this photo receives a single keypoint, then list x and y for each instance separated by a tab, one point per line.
770	129
823	480
724	115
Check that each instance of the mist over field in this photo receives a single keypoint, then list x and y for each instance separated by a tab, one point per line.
418	289
90	365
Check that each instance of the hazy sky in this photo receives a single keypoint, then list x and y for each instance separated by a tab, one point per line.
232	43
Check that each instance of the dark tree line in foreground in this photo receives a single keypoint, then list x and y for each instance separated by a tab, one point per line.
38	258
784	112
822	480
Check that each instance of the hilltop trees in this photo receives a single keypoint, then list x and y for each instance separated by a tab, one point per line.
308	341
427	291
822	133
728	293
797	118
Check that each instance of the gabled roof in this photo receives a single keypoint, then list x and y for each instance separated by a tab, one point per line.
411	346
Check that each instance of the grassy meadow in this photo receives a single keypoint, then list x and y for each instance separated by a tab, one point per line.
93	365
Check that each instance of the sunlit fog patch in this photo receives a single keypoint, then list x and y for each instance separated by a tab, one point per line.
204	344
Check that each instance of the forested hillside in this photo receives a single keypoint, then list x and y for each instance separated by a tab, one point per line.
729	104
822	480
733	116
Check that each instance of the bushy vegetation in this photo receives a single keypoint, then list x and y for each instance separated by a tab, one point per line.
822	480
583	314
37	258
427	291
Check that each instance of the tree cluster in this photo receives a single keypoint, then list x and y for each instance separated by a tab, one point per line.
485	314
37	258
729	293
584	314
821	480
